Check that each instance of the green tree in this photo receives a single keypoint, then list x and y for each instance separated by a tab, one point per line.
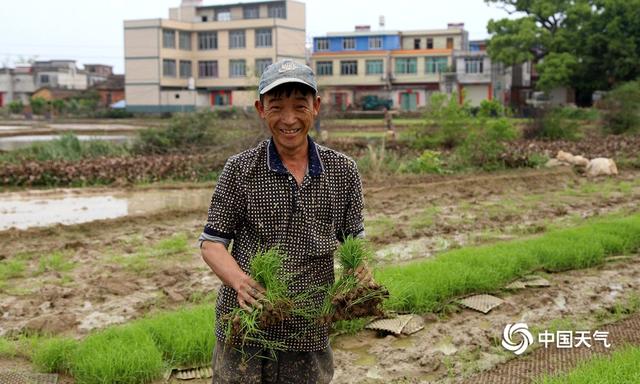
587	44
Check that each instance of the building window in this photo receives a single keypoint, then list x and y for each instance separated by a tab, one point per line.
263	37
322	44
236	39
473	65
324	68
44	79
374	67
407	65
429	43
185	69
208	68
168	68
349	67
168	38
348	43
416	43
261	65
277	11
204	19
223	15
250	12
237	68
185	41
207	40
375	42
449	42
436	64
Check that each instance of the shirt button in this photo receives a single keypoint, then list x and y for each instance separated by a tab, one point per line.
290	177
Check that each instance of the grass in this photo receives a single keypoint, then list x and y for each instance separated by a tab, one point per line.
7	348
54	355
55	262
138	352
10	269
619	368
380	227
428	286
124	355
145	258
68	147
424	219
181	335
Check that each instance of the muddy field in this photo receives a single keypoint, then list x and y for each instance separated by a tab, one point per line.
81	277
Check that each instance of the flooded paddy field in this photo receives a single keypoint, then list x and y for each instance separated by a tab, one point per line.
85	259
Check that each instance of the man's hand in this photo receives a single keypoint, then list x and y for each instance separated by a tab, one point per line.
226	268
249	292
363	275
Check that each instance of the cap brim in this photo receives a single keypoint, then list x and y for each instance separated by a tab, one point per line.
285	80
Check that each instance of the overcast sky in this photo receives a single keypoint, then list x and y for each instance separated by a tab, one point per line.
91	31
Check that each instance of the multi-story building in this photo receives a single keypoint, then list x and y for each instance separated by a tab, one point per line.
404	66
475	75
59	74
97	73
16	84
204	56
54	77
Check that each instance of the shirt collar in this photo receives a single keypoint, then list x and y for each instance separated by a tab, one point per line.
274	163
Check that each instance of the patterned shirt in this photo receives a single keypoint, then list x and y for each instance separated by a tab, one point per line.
259	204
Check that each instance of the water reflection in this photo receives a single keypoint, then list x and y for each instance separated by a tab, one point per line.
42	208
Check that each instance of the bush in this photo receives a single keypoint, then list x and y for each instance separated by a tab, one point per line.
447	126
552	124
491	108
184	131
622	108
485	144
16	107
428	162
38	105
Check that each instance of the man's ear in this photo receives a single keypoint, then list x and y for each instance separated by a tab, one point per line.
259	108
316	106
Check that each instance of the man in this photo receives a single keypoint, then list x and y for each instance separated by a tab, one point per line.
290	192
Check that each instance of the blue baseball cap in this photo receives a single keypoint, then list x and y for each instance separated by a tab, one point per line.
286	71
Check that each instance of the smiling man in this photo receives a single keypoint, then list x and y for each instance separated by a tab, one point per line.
293	193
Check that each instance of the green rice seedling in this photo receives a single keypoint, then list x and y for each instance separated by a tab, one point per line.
184	336
428	286
244	326
54	355
126	355
619	368
347	298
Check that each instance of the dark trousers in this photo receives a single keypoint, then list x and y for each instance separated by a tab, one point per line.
258	366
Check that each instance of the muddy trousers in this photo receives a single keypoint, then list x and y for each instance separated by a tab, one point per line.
257	366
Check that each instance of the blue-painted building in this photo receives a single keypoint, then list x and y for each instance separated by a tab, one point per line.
404	66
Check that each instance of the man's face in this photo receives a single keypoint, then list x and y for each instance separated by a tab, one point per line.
289	118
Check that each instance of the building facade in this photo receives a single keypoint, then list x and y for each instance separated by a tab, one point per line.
208	56
404	66
20	83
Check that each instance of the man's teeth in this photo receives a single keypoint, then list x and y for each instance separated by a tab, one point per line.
290	130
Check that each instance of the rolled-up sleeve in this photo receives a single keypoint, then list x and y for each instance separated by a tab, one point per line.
227	208
353	221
